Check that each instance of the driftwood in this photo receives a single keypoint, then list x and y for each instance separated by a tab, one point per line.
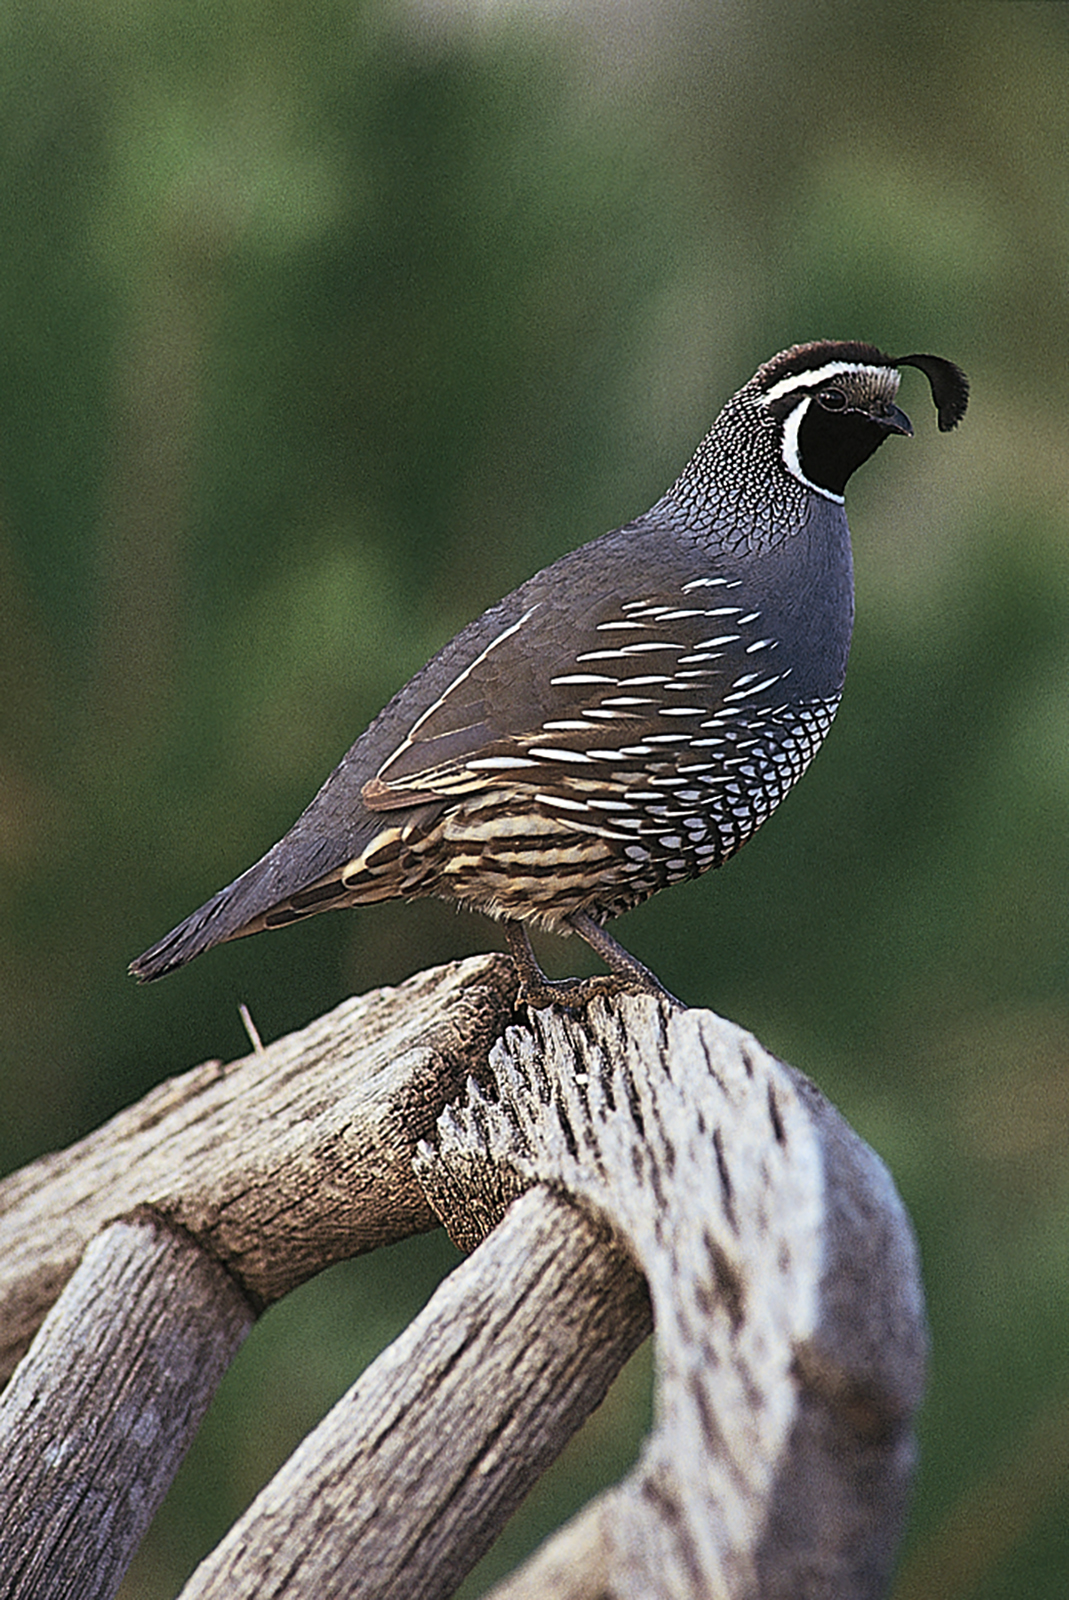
637	1156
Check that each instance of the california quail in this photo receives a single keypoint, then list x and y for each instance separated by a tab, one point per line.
626	718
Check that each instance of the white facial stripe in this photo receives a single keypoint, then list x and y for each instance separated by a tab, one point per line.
818	375
792	460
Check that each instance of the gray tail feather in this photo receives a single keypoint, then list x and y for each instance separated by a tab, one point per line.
298	876
260	898
227	915
198	932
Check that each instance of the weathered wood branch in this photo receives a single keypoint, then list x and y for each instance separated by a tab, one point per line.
409	1478
653	1141
278	1164
786	1293
115	1387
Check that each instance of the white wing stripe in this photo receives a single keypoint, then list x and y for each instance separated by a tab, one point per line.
409	738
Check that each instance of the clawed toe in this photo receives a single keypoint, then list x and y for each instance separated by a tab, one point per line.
571	994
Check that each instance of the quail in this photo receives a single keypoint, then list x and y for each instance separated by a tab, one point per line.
628	717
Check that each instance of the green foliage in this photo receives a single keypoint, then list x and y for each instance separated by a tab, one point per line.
323	325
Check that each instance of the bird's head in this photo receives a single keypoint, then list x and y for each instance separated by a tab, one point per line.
833	403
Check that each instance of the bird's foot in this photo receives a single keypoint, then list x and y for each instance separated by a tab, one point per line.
571	994
628	976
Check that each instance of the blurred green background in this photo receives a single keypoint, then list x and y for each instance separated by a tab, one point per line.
323	325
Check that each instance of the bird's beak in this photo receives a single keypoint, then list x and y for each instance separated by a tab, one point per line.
895	421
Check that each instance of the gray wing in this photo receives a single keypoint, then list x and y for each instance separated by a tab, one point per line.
548	686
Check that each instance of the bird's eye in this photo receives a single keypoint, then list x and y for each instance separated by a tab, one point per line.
832	399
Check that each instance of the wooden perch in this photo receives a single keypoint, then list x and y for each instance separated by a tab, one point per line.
581	1160
280	1163
786	1297
126	1365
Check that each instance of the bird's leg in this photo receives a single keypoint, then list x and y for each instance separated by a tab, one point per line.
626	968
538	991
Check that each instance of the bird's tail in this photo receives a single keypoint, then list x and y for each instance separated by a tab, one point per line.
302	874
248	905
213	923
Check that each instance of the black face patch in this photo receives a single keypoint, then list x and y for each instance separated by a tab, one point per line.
832	444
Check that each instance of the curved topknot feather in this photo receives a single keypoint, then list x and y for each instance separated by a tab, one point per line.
949	386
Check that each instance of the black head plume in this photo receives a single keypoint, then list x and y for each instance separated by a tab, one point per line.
949	386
